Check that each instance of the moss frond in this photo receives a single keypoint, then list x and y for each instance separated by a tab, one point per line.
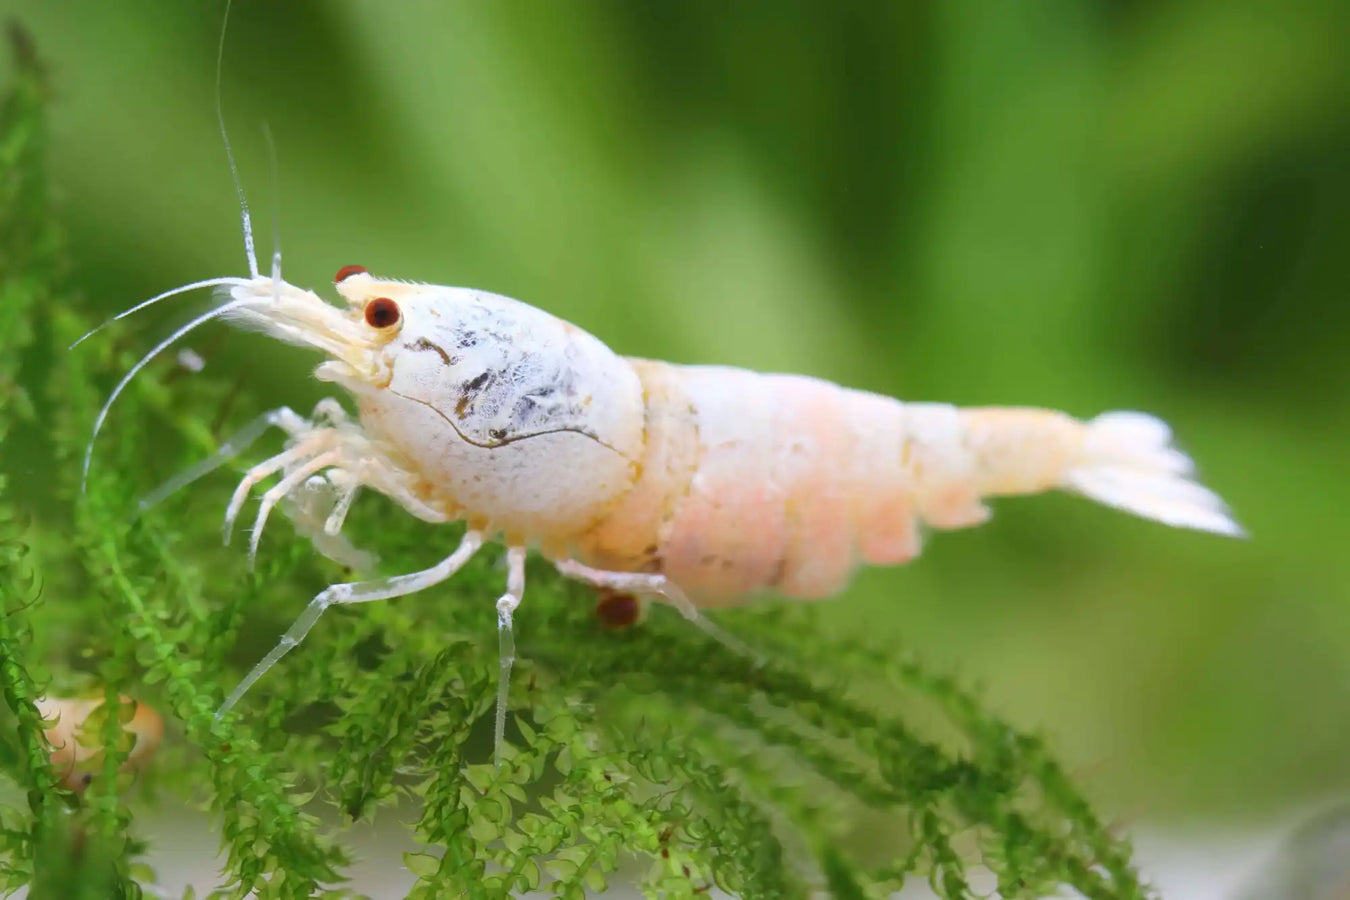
651	755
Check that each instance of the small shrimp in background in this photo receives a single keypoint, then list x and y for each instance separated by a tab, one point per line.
702	486
76	736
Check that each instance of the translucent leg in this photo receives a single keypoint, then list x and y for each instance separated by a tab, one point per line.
311	502
314	443
282	417
293	480
659	586
506	642
356	592
333	524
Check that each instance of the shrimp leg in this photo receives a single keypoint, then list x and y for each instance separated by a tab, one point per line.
282	417
328	494
506	646
356	592
282	488
332	525
310	445
650	584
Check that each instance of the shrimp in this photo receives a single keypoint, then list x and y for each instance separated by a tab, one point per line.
701	486
76	740
698	485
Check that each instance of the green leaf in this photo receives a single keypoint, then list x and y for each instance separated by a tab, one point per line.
423	865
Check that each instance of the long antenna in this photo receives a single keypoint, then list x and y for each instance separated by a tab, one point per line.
141	364
209	282
276	205
229	151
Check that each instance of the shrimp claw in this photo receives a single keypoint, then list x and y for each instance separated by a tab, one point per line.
293	480
312	445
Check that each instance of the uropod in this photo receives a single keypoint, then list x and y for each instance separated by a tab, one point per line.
701	486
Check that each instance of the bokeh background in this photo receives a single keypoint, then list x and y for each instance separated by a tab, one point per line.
1084	205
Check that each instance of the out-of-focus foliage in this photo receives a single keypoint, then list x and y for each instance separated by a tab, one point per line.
1086	205
1310	863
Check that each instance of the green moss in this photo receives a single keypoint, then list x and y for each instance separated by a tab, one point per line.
650	755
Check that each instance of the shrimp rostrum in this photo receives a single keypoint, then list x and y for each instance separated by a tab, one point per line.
697	485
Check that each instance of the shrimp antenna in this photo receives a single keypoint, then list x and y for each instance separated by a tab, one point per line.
244	216
226	281
144	361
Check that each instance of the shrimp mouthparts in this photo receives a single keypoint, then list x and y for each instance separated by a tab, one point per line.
283	311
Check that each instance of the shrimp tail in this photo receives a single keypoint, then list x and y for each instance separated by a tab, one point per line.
1127	460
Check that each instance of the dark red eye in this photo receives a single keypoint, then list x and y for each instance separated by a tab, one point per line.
347	272
382	313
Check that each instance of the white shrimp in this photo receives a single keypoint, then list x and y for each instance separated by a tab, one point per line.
698	485
701	485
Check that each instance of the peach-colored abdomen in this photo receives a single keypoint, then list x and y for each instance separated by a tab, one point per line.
628	538
757	482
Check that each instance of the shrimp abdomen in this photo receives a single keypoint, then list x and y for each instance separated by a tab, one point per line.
757	482
786	483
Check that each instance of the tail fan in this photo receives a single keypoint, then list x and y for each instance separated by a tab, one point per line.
1128	461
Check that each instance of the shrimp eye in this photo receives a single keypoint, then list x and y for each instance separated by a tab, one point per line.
347	272
382	313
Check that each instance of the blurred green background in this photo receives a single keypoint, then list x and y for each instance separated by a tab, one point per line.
1085	205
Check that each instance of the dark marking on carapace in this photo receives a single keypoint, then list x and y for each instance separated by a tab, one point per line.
524	407
469	392
426	345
